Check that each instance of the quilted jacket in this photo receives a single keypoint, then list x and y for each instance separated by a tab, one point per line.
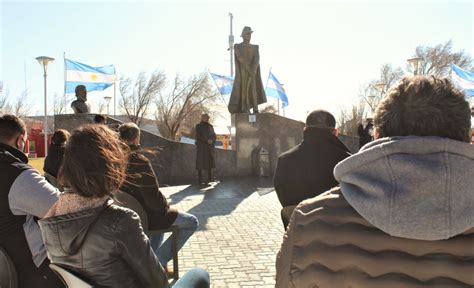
403	216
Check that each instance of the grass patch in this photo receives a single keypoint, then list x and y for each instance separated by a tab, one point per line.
37	163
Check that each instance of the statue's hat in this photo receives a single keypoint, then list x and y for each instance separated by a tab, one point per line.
246	30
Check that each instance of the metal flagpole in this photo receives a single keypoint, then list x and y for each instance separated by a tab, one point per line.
65	80
115	97
231	47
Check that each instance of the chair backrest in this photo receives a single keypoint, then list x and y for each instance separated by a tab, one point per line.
70	280
8	277
128	201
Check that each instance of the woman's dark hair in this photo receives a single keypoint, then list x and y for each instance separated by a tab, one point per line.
60	137
95	161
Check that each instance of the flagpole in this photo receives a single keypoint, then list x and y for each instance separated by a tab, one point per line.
65	80
278	101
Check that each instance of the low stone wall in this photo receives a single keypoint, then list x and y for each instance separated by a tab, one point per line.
172	161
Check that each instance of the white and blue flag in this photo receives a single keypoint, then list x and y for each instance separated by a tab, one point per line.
463	78
275	89
224	83
94	78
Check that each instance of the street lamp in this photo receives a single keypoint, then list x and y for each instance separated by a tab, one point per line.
44	61
415	63
107	99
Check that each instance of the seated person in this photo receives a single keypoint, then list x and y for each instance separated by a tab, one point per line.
305	171
100	119
403	215
86	233
24	196
142	183
53	160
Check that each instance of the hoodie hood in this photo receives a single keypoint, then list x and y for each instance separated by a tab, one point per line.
412	187
64	235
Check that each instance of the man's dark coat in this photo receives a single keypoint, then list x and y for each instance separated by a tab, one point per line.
306	170
205	151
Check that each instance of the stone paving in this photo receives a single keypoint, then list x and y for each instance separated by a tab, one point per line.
240	230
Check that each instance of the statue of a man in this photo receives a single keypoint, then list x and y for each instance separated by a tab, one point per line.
79	105
247	91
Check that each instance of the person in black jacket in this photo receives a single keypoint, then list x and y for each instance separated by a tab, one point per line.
24	197
306	170
86	233
365	131
53	160
142	184
205	140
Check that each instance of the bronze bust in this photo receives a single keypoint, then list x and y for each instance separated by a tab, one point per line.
79	105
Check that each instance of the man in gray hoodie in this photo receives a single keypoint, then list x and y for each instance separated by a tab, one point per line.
403	215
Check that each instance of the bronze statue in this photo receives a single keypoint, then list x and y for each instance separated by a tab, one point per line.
247	91
79	105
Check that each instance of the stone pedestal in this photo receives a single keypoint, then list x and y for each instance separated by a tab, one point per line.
274	133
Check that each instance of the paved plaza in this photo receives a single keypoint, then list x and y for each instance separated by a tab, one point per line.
240	230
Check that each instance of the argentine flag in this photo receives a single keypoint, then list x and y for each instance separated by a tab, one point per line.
224	83
275	90
464	79
94	78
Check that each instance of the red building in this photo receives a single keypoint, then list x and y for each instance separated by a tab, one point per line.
35	147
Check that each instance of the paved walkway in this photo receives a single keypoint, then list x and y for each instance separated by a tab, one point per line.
240	230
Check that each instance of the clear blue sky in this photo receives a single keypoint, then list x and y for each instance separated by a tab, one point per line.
323	51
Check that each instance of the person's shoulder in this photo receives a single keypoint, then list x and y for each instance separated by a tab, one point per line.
290	154
329	200
120	216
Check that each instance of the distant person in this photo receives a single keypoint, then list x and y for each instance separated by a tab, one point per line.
100	119
306	170
205	141
365	130
142	184
403	215
25	196
54	159
79	105
86	233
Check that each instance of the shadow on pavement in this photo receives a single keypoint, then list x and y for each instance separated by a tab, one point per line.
221	197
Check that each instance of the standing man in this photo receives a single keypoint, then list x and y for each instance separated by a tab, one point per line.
79	105
247	91
205	140
306	170
25	196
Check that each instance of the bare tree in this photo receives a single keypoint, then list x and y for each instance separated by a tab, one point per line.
136	96
349	119
61	102
102	108
21	108
269	109
5	107
184	100
437	60
372	92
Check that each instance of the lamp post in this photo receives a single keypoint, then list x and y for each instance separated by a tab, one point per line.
107	99
44	61
415	63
